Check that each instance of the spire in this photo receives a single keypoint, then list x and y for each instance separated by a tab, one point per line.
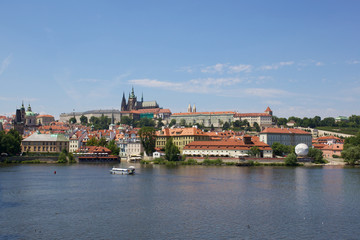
194	108
132	93
142	97
22	105
189	108
29	108
123	103
112	117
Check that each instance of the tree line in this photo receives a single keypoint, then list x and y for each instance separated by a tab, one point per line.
10	143
353	122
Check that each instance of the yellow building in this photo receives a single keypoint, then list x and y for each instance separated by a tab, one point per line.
43	143
181	136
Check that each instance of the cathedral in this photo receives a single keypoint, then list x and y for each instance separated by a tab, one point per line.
134	104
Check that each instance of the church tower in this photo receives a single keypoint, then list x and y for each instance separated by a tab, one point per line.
123	103
132	101
268	111
189	108
194	108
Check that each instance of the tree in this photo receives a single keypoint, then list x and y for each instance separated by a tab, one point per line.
212	127
148	139
102	142
281	149
351	155
257	127
83	120
160	123
72	120
182	122
254	151
115	150
172	122
226	126
10	143
92	142
316	154
171	151
126	120
291	160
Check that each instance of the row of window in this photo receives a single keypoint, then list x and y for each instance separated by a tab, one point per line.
43	149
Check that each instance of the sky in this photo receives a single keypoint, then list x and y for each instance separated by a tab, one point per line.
301	58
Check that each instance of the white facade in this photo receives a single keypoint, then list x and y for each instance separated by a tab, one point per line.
286	138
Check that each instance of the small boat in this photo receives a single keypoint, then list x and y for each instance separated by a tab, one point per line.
123	171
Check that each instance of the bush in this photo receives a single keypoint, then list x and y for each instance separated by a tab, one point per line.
159	161
190	162
291	160
336	156
208	162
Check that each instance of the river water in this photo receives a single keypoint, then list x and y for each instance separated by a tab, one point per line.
84	201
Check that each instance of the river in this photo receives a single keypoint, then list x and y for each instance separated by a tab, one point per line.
84	201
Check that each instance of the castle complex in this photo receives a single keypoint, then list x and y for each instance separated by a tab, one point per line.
133	104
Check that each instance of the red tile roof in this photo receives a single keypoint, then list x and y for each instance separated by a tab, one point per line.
285	131
252	115
205	113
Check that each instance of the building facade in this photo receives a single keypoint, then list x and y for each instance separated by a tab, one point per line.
42	143
286	136
181	136
233	148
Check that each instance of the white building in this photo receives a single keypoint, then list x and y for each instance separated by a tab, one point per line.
227	148
286	136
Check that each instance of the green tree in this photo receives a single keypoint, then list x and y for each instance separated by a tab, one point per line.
291	160
115	150
257	127
10	143
281	149
171	151
83	120
182	122
72	120
92	142
254	151
126	120
160	123
351	155
102	142
226	126
316	154
148	139
172	122
63	156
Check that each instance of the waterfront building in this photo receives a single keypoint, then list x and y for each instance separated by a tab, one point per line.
286	136
181	136
42	143
227	148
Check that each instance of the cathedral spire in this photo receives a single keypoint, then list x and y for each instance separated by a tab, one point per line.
142	97
189	108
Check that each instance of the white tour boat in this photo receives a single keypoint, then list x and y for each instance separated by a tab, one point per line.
123	171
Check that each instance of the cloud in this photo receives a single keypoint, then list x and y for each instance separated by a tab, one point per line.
276	66
354	62
240	68
319	64
5	63
200	85
217	68
267	92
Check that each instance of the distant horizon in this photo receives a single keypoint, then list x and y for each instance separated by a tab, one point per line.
301	58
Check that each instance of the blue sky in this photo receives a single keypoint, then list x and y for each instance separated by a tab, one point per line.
301	58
